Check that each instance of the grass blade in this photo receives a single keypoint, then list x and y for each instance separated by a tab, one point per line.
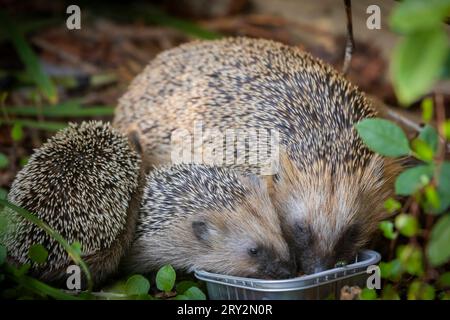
42	125
69	109
29	59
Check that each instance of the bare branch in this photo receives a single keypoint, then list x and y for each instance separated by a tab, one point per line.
350	45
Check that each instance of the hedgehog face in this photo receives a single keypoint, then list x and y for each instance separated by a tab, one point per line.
245	240
328	215
235	250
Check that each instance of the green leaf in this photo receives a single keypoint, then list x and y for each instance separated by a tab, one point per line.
389	293
182	286
427	110
392	205
432	197
444	280
368	294
29	58
422	150
421	291
443	189
444	179
383	137
388	230
407	224
446	129
4	161
438	249
415	15
17	132
137	285
194	293
430	136
417	63
411	259
24	160
165	278
391	270
2	254
444	296
38	253
413	179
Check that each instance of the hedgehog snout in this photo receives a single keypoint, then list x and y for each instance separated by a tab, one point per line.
278	269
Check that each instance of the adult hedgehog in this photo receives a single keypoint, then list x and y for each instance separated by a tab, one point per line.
329	189
84	183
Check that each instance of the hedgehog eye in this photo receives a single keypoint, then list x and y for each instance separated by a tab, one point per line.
253	251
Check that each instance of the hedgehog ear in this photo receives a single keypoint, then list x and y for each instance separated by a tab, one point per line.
201	230
286	169
133	137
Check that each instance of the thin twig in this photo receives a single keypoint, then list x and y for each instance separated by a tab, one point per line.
350	45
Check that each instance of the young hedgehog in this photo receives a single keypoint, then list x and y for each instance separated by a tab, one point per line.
84	184
210	218
330	188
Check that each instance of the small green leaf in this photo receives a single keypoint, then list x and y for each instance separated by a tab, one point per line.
421	291
411	259
422	150
444	295
137	285
182	286
446	129
444	280
24	161
4	161
194	293
415	15
383	137
368	294
444	179
388	230
38	253
417	63
17	132
391	270
432	196
438	250
413	179
2	254
427	110
392	205
407	224
430	136
165	278
389	293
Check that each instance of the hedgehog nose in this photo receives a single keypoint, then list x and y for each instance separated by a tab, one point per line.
281	270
